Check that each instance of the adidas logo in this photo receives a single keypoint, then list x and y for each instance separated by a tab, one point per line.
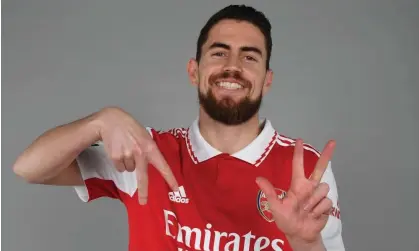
179	197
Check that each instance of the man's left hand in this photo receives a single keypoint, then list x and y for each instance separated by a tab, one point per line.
304	211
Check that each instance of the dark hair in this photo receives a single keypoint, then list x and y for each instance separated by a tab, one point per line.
242	13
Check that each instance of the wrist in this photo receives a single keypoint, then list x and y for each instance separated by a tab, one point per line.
99	121
96	122
94	127
301	245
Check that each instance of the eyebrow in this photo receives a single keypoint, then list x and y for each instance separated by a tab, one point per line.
244	48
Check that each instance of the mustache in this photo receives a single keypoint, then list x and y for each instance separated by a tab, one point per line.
230	75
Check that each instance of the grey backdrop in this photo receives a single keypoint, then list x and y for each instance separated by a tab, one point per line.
344	69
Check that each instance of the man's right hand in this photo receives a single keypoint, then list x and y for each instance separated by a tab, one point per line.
131	148
51	158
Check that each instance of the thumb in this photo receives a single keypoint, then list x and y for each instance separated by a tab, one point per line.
269	191
266	188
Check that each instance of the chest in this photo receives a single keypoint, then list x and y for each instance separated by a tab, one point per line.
218	207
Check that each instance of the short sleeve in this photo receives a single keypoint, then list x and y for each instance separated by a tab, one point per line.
332	233
101	178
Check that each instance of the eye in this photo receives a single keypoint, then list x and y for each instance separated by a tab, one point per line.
219	54
250	58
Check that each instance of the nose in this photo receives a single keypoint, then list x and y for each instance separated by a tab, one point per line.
232	64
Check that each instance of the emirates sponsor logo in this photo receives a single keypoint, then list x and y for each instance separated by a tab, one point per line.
211	240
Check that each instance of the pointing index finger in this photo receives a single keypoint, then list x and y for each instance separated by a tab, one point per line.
155	157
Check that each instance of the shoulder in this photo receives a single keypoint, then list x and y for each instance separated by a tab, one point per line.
286	146
171	138
173	133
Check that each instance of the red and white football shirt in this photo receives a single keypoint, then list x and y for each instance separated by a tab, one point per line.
219	205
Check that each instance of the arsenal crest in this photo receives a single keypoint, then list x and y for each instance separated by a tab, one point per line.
263	206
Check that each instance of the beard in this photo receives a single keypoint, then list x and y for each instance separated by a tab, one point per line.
226	110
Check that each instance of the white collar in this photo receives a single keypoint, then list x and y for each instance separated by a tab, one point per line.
254	153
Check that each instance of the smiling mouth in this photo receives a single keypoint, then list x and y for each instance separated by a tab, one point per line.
229	85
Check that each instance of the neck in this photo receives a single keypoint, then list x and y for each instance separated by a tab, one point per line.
228	138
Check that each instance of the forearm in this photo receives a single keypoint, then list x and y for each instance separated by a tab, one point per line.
54	150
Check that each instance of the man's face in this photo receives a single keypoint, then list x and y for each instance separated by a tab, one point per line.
231	75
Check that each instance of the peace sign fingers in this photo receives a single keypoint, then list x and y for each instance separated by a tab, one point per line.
298	161
323	161
321	165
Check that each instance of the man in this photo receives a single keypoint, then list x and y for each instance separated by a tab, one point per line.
228	182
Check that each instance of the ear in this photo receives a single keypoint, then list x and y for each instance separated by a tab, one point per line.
192	69
268	81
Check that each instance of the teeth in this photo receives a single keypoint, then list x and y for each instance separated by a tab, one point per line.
229	85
